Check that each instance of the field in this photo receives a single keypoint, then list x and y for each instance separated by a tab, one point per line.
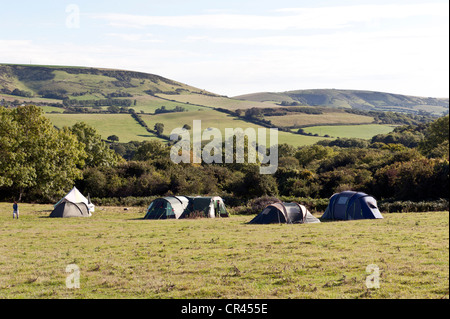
127	129
298	120
122	256
216	101
215	119
350	131
122	125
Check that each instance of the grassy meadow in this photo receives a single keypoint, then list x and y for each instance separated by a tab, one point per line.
120	255
216	101
127	128
122	125
215	119
301	119
365	131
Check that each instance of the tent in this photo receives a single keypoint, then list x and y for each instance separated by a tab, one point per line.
290	213
167	207
206	207
69	209
179	207
351	205
74	204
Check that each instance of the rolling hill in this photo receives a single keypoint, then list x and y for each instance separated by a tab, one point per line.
84	83
103	98
354	99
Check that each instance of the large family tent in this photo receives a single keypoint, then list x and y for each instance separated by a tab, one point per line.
178	207
290	213
74	204
351	205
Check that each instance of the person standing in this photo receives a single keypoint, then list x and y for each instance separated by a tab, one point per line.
15	210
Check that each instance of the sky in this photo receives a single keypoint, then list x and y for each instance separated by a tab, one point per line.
238	47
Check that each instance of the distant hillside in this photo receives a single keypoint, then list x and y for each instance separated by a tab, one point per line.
363	100
61	82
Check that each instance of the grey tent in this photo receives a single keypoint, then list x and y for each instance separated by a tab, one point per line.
69	209
74	204
290	213
178	207
351	205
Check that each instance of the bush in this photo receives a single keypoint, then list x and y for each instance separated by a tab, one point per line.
414	207
124	201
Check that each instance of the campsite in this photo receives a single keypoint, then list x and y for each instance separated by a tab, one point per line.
121	255
232	152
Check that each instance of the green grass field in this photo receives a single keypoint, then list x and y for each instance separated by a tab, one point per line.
120	255
350	131
122	125
300	119
215	119
217	101
127	129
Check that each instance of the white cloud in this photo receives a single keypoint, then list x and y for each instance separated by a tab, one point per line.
135	37
289	18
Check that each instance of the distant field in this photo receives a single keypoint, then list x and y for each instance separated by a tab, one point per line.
149	104
10	98
216	101
122	125
214	119
350	131
122	256
127	129
301	119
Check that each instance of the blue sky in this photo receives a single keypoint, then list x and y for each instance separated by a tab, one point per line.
237	47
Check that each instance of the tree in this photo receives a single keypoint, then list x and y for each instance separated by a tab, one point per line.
113	109
36	159
436	139
99	154
151	150
159	128
113	138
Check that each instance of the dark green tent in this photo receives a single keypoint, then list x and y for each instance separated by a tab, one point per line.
178	207
167	207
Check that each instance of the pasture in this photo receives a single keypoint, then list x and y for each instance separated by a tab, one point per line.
128	129
216	101
365	131
122	125
221	121
301	119
120	255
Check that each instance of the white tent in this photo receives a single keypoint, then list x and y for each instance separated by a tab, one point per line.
74	196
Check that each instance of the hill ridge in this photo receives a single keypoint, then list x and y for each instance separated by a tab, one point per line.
356	99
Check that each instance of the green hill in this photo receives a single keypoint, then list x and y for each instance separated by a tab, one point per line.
75	82
354	99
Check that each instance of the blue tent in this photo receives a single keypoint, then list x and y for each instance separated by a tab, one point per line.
351	205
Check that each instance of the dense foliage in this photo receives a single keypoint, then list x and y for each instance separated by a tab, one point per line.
38	161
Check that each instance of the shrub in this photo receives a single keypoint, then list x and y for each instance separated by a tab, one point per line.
414	207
